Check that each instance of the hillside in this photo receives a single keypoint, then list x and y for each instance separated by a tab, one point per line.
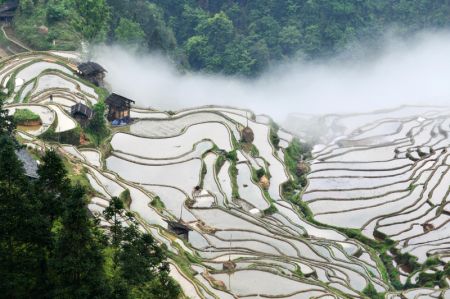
230	37
238	206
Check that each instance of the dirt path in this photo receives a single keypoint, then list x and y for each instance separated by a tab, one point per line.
3	53
6	30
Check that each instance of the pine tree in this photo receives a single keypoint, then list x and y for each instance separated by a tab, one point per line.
78	262
24	233
7	124
52	184
139	264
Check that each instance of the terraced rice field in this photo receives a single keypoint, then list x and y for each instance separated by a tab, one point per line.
31	78
387	172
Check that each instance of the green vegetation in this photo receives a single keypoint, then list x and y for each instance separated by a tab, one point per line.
125	197
270	210
129	33
219	163
51	247
97	128
383	247
7	124
203	172
23	116
372	293
254	152
67	137
294	156
158	203
274	139
230	37
47	25
233	171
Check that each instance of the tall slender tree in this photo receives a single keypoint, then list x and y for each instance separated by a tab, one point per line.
53	184
78	262
7	125
24	233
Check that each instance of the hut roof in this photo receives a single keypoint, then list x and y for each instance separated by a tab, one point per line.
178	225
248	135
9	6
29	164
116	100
7	14
83	109
90	68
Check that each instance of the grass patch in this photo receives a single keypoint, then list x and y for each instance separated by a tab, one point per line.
220	161
158	204
22	116
77	175
67	137
125	197
270	210
233	171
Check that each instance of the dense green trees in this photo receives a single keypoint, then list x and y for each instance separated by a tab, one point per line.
92	18
265	31
129	33
6	121
50	246
24	233
138	265
235	36
77	261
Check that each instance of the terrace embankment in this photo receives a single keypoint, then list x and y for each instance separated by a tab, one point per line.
230	203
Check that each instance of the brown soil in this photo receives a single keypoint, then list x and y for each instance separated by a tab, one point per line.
216	283
31	123
28	128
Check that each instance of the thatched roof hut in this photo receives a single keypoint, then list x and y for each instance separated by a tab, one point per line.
302	168
264	182
247	135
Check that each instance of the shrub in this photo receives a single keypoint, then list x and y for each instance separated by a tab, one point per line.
68	137
260	173
97	125
274	139
270	210
371	292
125	197
232	156
219	163
25	115
56	11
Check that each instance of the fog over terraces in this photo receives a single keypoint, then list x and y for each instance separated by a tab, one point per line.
401	71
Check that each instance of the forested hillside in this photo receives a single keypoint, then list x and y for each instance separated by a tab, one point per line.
233	36
50	246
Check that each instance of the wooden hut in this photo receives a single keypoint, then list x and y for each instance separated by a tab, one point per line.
92	71
118	108
179	229
7	10
81	113
247	135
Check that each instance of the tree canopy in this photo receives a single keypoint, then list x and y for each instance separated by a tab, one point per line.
231	37
51	246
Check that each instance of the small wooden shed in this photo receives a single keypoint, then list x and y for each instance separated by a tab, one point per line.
118	107
179	229
81	113
7	10
92	71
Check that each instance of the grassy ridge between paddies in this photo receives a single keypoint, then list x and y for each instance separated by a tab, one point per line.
26	117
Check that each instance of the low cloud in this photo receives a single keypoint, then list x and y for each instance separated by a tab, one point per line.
413	71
